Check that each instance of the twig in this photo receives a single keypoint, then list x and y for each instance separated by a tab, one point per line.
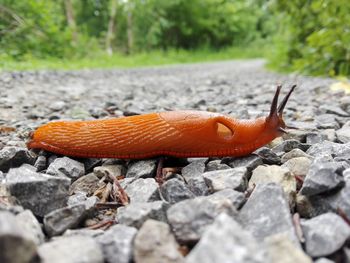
111	205
343	215
118	191
298	229
103	224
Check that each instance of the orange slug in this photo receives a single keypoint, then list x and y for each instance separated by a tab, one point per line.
172	133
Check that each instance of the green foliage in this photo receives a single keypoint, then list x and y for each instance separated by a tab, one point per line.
314	38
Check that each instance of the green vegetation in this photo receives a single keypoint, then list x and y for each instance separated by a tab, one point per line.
311	37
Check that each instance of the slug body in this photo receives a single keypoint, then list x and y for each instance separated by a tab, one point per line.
173	133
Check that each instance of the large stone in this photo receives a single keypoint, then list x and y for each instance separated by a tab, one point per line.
135	214
143	190
175	190
117	243
325	234
30	226
66	167
234	178
15	245
189	218
267	213
37	192
142	169
323	177
226	241
71	249
11	157
155	243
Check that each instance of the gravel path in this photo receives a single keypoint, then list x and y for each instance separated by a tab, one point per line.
287	202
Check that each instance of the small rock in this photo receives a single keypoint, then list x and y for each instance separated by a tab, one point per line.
250	162
334	110
11	157
40	163
117	243
112	169
322	177
142	169
298	166
226	241
66	167
77	198
268	156
288	145
198	186
216	165
84	232
71	249
189	218
295	153
281	249
143	190
57	105
323	260
237	198
324	234
91	163
30	226
175	190
37	192
135	214
275	174
234	178
15	244
155	243
60	220
193	169
326	121
86	184
328	148
258	216
343	134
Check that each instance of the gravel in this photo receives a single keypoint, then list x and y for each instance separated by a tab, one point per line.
38	186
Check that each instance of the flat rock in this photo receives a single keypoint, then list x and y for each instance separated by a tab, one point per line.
275	174
11	157
143	190
237	198
66	167
155	243
142	169
189	218
60	220
343	134
117	243
225	241
174	191
71	249
298	166
135	214
30	226
324	234
111	169
258	217
234	178
15	245
87	184
281	249
322	177
37	192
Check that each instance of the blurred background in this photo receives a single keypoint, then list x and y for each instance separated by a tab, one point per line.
310	37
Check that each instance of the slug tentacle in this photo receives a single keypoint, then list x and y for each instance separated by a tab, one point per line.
174	133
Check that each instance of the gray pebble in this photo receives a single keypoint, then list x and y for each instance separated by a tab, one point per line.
174	191
11	157
35	191
142	169
155	243
112	169
198	186
216	165
189	218
258	217
57	105
14	242
343	134
294	154
30	226
250	162
117	243
324	234
322	177
326	121
66	167
135	214
268	156
143	190
298	166
87	184
237	198
234	178
288	145
226	241
193	169
71	249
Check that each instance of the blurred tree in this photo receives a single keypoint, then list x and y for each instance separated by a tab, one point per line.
111	26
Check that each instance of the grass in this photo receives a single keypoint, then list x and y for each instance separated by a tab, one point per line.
144	59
